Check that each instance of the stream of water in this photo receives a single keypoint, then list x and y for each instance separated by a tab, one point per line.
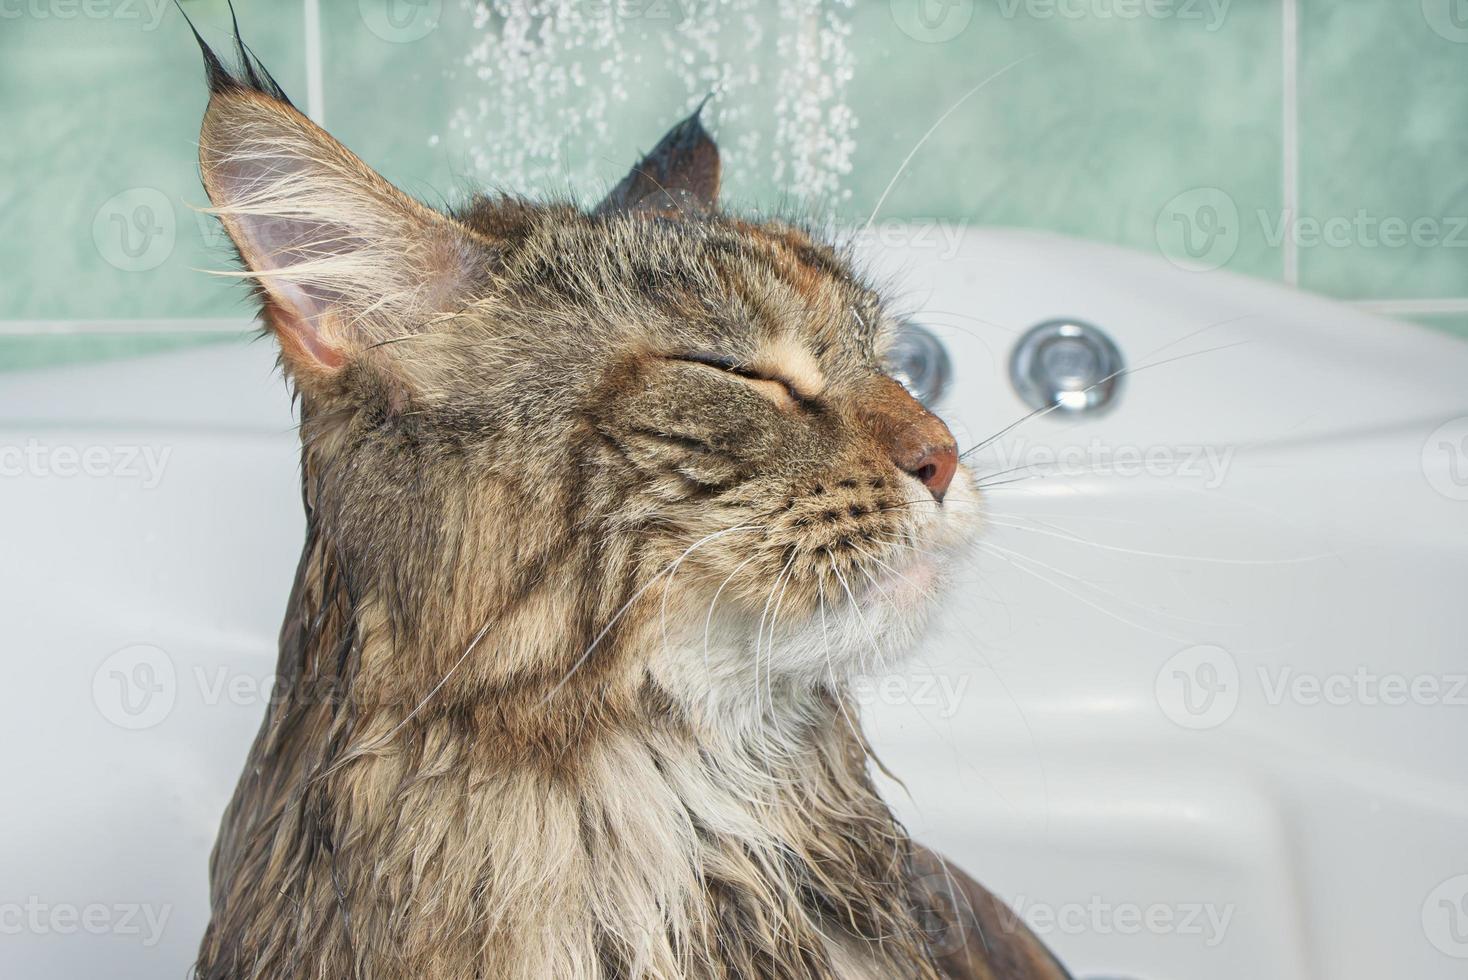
554	77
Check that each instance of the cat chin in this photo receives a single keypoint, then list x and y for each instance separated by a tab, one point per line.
736	668
737	686
734	664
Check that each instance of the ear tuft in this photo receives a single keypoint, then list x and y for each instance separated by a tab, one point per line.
343	260
252	73
680	176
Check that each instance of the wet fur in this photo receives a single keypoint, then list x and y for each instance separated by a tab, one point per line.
562	689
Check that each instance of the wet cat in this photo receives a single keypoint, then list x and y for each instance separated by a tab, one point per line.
604	510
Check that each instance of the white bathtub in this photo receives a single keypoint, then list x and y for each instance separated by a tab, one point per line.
1119	735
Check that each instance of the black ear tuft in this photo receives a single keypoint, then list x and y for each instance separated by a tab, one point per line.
215	73
252	74
679	176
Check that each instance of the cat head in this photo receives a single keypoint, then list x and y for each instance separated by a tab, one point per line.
648	440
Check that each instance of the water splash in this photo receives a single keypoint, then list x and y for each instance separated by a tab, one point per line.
552	80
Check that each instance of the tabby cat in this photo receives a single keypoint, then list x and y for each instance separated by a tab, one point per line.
604	510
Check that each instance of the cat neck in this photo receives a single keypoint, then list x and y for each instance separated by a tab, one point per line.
636	836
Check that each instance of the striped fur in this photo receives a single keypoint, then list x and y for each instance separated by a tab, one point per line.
601	521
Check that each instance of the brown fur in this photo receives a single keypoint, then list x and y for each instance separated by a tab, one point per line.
587	493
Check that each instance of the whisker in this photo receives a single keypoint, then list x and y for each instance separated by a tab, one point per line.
902	167
1087	583
358	751
1043	410
1160	554
976	648
856	610
1123	372
672	566
836	686
774	617
760	628
708	620
888	568
1014	559
1069	516
1017	479
663	606
759	631
979	478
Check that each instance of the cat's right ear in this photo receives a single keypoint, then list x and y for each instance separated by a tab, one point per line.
343	260
679	176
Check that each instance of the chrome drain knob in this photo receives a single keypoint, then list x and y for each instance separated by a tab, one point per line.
920	363
1066	363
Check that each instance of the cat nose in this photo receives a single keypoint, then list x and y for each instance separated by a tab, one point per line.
931	457
916	440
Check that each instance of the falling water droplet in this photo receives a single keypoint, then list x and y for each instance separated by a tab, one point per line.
553	75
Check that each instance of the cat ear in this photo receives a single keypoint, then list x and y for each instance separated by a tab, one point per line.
679	176
344	260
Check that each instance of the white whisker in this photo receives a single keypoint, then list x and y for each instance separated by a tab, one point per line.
1160	554
1015	560
708	620
672	567
1123	372
902	167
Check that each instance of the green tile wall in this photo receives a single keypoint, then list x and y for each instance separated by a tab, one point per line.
102	119
1129	121
1384	143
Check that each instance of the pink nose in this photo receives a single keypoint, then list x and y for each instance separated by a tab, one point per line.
916	440
934	467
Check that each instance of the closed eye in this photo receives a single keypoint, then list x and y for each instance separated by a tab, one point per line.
762	381
726	364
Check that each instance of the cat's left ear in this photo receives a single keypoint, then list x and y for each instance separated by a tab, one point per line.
680	175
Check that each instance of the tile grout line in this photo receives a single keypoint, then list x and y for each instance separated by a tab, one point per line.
158	327
241	326
315	89
1419	307
1290	135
